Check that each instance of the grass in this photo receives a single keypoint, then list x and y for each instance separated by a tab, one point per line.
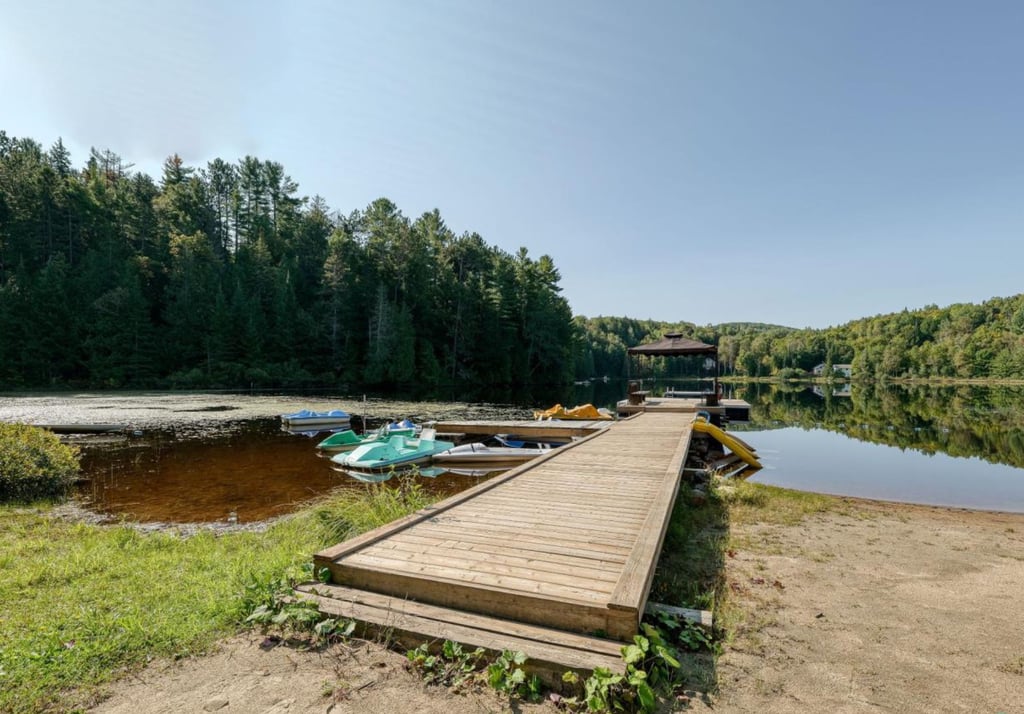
691	568
750	503
80	604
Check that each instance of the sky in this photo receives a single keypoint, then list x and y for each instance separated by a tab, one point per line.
795	162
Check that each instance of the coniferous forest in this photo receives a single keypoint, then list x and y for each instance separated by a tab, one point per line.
225	276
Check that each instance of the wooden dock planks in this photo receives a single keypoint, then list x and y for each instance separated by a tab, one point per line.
567	541
533	429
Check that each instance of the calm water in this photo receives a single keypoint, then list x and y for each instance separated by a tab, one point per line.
954	446
250	472
826	462
950	446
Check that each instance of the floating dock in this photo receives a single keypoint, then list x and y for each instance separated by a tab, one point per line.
538	559
733	409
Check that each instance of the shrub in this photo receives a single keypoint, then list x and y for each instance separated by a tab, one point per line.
34	464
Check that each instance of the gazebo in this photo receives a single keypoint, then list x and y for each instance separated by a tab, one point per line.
675	345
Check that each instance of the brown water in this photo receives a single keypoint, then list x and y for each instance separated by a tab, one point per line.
197	457
251	469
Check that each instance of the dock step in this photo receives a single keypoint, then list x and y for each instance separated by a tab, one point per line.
550	652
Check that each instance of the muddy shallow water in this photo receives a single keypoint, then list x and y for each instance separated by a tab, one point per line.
217	458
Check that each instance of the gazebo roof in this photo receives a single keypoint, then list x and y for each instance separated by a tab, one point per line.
673	344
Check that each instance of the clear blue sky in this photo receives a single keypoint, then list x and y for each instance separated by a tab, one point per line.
795	162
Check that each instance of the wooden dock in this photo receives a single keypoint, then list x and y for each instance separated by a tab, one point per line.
534	429
736	409
542	557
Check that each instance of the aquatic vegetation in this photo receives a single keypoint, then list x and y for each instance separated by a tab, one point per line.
34	464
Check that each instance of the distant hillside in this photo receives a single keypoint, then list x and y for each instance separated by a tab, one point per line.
964	341
740	328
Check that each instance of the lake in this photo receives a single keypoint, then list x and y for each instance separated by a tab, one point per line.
957	446
221	457
202	458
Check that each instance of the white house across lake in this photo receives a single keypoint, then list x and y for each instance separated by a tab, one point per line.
838	370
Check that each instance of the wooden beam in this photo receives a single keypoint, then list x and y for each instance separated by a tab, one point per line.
550	652
635	583
698	617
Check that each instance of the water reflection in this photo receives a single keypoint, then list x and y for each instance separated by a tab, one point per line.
944	445
943	437
826	462
982	422
249	472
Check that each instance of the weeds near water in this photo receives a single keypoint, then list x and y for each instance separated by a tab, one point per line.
274	605
345	516
651	670
759	503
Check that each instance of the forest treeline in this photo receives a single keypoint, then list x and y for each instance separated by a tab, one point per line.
963	341
224	276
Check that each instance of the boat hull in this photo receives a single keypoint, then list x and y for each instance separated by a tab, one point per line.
348	440
478	454
396	451
311	418
735	444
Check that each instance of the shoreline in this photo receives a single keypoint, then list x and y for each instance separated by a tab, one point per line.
831	604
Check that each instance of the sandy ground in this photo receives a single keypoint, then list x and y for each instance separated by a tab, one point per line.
872	608
882	608
249	674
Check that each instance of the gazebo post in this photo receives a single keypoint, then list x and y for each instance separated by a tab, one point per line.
716	375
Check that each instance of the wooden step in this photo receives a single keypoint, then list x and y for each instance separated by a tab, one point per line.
550	652
555	607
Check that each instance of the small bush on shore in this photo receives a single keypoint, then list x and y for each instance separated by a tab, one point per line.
34	464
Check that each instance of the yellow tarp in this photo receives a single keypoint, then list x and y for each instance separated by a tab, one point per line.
583	411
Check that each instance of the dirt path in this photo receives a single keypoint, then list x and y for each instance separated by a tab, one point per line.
871	608
248	675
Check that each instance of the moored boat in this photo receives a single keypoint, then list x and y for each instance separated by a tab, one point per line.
308	417
348	440
583	412
395	451
482	453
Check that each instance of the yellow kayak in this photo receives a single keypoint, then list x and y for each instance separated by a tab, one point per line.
735	444
586	412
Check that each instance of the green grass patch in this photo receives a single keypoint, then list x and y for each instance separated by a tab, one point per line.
758	503
690	569
80	604
34	464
